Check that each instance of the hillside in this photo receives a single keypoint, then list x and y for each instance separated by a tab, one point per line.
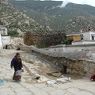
17	22
71	18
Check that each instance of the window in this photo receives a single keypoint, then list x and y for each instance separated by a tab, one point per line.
81	36
93	37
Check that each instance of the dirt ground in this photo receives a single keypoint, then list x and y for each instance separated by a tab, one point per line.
30	86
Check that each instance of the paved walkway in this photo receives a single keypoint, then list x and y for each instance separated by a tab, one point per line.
26	87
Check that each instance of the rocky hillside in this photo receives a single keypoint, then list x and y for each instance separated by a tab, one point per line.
71	18
16	21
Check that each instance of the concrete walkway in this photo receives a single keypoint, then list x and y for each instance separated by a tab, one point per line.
26	87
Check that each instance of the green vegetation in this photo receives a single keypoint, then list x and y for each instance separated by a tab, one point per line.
67	42
13	33
72	18
51	39
15	20
44	16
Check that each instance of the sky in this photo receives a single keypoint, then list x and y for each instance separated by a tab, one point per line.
88	2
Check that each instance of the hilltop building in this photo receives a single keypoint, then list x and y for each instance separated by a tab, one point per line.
82	38
4	38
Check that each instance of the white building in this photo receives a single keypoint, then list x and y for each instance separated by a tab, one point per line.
4	38
87	38
3	30
0	42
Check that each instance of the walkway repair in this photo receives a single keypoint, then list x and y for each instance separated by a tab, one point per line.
28	87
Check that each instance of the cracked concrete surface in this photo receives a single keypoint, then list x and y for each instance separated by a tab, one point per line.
26	87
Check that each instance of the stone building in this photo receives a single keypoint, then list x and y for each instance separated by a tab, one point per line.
89	36
3	30
85	38
4	1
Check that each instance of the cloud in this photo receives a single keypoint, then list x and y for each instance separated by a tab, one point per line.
88	2
64	3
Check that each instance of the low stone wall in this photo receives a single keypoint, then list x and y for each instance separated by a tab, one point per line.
74	66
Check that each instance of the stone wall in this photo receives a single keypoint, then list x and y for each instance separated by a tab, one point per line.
74	67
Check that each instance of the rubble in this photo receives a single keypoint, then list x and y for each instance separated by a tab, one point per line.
64	80
16	42
58	81
54	74
42	79
51	82
43	85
